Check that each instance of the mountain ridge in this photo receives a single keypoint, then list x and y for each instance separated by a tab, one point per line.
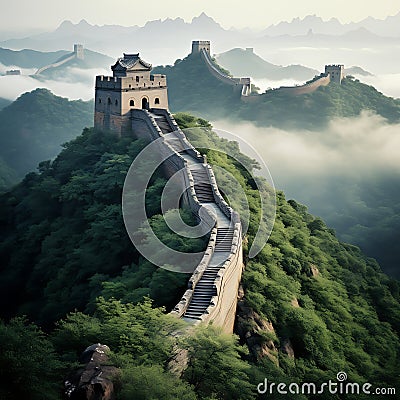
159	34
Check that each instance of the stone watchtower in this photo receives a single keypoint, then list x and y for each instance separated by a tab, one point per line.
132	86
79	51
336	72
198	45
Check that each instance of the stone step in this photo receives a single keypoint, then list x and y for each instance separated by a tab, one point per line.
204	291
203	295
198	305
197	310
195	313
192	315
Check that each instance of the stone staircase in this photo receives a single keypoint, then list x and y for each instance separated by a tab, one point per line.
202	185
204	289
224	239
162	123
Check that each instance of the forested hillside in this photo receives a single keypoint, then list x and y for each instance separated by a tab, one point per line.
29	58
312	306
193	88
34	127
244	62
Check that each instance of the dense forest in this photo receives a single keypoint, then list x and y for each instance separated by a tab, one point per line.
68	265
34	127
193	88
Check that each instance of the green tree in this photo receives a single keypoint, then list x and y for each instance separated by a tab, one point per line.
215	367
29	366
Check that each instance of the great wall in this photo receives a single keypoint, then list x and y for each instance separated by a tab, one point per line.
203	47
78	53
134	102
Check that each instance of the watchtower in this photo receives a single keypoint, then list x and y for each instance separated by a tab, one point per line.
132	86
198	45
336	72
79	51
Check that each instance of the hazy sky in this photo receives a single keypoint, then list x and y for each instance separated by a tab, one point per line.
47	14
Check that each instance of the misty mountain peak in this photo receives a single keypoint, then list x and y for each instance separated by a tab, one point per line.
83	23
66	24
204	19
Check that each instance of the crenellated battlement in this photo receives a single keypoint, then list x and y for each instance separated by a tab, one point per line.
336	72
131	87
198	45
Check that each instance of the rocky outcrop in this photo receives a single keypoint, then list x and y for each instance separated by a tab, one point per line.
313	271
287	348
95	380
257	332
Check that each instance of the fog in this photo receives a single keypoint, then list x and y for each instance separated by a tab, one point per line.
348	173
75	84
377	59
388	84
24	71
265	84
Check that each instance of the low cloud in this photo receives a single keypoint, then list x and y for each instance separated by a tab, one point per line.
348	174
265	84
12	87
348	146
388	84
24	71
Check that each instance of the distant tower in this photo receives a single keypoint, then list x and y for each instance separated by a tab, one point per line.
79	51
198	45
131	87
336	72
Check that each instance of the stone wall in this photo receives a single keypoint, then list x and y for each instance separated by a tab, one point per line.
125	94
242	85
198	45
311	87
56	64
222	309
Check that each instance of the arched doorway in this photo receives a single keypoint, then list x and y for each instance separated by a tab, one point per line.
145	103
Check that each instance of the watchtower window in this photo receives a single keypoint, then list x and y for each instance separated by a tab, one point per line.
131	103
99	101
137	79
156	100
116	102
109	101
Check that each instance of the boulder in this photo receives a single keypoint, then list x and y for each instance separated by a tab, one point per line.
94	381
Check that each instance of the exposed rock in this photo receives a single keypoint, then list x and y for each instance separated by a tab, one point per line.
287	348
253	329
179	360
94	381
295	303
314	271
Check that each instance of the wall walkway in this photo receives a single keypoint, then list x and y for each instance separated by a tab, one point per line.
56	64
213	287
243	84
